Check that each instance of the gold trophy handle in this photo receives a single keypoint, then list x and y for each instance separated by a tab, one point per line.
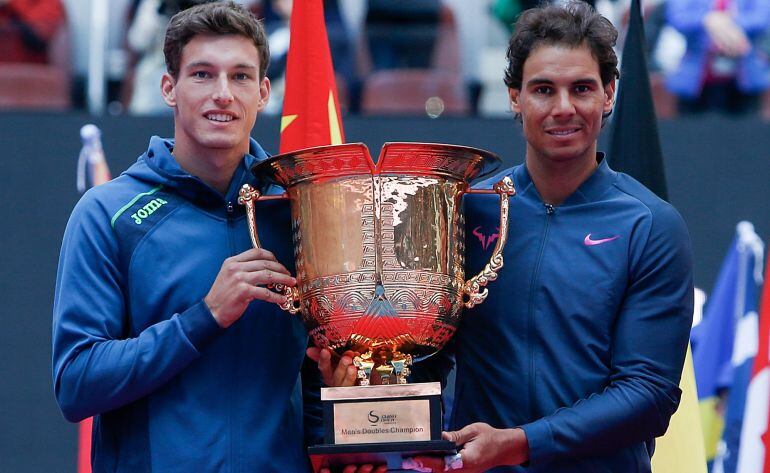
247	196
474	291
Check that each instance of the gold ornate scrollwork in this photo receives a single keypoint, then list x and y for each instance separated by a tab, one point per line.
247	196
474	289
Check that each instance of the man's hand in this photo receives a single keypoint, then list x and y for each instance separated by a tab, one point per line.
728	37
483	447
241	280
343	373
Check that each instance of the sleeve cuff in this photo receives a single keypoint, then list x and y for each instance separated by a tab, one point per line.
199	325
540	441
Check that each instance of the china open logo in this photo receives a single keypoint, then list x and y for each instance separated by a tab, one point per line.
375	418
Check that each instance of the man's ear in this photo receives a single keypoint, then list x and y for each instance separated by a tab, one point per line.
168	89
514	95
264	94
609	96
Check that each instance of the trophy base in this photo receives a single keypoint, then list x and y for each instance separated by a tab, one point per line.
336	457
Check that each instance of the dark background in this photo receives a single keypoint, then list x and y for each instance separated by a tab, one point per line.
717	171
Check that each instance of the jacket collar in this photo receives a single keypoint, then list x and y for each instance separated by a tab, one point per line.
169	173
590	190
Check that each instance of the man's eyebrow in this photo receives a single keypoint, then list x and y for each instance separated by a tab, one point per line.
587	80
195	64
546	81
539	81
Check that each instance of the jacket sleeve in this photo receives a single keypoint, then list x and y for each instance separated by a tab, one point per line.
98	364
649	343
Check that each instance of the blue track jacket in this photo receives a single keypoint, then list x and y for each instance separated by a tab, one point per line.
135	346
582	339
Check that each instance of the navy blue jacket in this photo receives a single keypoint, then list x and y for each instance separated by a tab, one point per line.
582	339
135	346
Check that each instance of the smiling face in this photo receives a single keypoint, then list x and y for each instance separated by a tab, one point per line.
216	96
561	102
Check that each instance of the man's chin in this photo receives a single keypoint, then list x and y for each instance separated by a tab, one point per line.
223	143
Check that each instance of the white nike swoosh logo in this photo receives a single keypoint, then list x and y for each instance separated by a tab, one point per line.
589	242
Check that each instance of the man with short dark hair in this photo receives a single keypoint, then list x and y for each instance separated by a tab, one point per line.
164	329
572	363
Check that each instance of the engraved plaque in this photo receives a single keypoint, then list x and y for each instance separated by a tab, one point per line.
384	421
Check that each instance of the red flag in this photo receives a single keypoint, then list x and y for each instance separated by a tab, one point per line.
311	111
84	445
754	454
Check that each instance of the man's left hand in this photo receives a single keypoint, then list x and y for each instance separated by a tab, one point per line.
483	447
337	373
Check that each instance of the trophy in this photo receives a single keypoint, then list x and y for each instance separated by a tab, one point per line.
379	254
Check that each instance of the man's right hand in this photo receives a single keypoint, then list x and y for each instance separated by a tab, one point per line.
241	280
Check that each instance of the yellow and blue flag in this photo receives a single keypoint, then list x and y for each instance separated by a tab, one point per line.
722	342
750	250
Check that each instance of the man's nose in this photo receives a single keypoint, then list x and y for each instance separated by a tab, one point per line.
222	92
563	104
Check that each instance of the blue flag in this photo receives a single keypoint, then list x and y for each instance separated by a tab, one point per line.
720	343
750	249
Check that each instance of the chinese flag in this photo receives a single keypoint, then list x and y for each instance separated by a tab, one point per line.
84	445
311	111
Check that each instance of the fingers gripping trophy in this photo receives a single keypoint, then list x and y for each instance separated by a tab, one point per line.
379	253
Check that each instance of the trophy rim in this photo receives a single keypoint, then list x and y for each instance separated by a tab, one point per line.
491	162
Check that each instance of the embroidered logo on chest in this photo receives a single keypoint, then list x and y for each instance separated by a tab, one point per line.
486	240
148	209
588	241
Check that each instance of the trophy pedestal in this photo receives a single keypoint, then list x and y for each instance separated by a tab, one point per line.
380	425
335	457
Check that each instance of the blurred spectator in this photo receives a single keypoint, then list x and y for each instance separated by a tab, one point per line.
277	14
402	33
26	29
479	36
80	25
722	68
145	38
506	11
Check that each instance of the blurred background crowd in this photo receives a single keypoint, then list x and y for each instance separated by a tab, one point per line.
405	57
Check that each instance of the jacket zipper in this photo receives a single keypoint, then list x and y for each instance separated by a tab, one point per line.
549	211
231	463
230	209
